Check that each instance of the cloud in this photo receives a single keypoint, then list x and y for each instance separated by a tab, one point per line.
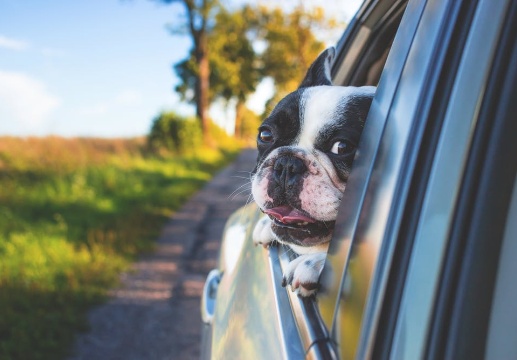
24	101
13	44
20	45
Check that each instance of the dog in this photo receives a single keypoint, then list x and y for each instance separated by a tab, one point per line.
306	148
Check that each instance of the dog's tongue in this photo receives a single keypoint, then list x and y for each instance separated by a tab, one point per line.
287	214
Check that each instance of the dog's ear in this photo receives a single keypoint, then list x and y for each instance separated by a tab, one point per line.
319	72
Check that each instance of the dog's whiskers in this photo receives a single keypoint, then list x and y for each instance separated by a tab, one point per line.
249	200
244	187
243	191
240	177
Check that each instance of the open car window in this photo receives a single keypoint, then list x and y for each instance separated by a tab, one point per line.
360	59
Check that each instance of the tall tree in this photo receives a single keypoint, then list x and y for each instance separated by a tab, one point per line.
199	15
236	67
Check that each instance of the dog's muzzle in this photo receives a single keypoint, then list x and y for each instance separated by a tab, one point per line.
288	171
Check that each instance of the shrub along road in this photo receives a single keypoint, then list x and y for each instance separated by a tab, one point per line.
155	313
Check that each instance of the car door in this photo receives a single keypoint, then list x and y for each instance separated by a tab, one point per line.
426	210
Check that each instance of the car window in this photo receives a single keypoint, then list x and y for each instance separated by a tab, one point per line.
362	51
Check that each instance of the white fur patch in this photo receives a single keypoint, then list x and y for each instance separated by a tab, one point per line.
262	233
317	109
259	188
303	273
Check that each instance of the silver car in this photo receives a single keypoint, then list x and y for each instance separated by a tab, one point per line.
422	263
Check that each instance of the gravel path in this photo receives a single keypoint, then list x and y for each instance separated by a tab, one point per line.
155	313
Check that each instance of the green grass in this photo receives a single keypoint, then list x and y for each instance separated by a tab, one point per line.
73	214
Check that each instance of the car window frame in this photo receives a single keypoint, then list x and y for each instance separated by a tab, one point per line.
369	162
313	331
351	204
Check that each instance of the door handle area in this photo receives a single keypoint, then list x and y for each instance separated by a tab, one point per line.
209	294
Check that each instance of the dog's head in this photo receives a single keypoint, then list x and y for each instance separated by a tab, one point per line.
306	147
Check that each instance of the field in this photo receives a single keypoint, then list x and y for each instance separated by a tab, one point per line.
73	214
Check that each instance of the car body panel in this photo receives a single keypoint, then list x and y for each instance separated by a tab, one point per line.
259	318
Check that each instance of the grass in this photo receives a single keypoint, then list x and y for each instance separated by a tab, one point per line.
73	214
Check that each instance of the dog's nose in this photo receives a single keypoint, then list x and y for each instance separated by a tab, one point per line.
288	170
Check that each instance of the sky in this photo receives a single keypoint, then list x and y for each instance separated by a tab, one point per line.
98	68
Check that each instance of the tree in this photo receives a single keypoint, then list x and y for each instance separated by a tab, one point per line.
234	63
199	15
236	68
250	122
291	45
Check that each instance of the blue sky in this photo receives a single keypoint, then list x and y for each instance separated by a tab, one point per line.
90	67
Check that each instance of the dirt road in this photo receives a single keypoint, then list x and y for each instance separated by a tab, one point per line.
155	313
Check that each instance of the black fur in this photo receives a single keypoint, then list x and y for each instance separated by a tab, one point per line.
319	71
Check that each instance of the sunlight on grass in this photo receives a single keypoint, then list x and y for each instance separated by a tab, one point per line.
73	214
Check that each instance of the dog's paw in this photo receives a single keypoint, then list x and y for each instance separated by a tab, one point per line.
303	273
262	234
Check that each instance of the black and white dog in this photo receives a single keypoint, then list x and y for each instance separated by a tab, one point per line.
306	147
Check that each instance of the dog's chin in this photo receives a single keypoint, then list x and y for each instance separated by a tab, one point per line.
311	234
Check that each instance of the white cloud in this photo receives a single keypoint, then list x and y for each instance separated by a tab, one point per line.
24	101
20	45
13	44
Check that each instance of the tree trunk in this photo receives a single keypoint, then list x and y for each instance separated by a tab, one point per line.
202	86
239	112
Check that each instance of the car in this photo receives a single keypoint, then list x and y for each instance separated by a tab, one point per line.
421	264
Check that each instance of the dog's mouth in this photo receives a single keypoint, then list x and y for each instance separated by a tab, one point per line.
294	226
287	215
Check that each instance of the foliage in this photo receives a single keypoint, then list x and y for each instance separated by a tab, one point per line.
198	20
73	214
187	71
236	66
234	63
250	125
175	134
291	45
172	132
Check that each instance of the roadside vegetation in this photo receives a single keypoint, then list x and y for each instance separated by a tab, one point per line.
73	214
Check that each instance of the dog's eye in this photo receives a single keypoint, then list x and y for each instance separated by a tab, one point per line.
340	148
265	136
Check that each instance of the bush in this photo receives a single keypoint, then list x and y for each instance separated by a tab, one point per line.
175	133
